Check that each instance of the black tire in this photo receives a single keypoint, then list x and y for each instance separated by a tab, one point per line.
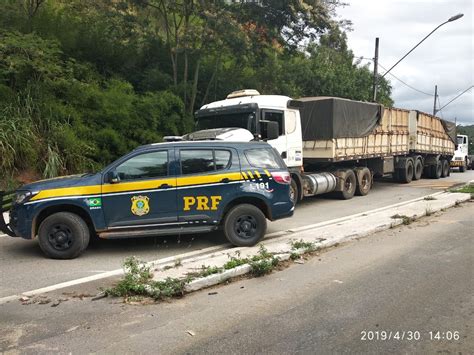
364	184
245	225
436	170
462	168
407	172
418	169
349	186
396	175
63	235
445	168
294	192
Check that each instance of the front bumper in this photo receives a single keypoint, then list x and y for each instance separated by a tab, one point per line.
6	201
456	163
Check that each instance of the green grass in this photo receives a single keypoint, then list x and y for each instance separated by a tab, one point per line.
468	189
138	281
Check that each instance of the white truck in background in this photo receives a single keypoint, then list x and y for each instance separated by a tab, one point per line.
461	159
333	145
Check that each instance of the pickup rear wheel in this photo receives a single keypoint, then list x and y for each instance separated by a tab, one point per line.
245	225
63	235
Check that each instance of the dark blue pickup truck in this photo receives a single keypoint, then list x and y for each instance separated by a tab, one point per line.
157	189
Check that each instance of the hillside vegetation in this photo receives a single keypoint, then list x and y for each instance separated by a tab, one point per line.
85	81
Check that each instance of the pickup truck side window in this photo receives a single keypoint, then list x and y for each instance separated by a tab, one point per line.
144	166
197	161
204	160
263	158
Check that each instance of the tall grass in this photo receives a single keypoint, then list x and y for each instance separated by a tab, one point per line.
41	144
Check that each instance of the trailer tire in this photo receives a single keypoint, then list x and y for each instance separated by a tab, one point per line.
406	173
436	170
348	185
63	235
462	168
245	225
418	169
364	182
445	168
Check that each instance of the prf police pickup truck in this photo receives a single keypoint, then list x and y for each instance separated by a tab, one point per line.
157	189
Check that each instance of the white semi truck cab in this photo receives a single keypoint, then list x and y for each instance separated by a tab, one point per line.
249	110
461	158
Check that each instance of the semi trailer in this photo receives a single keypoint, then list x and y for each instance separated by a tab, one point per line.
334	145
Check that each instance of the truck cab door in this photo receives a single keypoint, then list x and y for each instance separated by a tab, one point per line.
143	192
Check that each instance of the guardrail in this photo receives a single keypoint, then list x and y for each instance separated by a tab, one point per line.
6	201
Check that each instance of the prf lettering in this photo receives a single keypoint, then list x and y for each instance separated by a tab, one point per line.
201	203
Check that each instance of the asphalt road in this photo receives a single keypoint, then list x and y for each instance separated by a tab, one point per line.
23	266
416	278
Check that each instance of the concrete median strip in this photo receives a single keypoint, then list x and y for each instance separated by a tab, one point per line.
319	236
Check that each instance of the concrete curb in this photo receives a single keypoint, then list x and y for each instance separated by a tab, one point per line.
322	236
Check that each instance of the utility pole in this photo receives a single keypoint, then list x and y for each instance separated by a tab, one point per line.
376	64
435	97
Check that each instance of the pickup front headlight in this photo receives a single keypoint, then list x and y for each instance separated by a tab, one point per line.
22	197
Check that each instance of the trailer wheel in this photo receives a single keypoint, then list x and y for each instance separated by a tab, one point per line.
445	168
418	169
364	182
436	170
349	184
406	173
63	235
245	225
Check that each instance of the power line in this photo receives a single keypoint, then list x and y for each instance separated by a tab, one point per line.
469	88
408	85
397	78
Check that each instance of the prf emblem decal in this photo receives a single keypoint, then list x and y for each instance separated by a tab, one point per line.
140	206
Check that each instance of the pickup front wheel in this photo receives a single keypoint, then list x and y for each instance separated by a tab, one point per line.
245	225
63	235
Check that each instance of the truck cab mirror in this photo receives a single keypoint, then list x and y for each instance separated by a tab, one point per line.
269	129
112	177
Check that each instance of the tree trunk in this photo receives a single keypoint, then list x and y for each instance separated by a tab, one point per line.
195	85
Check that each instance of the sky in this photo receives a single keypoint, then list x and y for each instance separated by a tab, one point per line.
444	59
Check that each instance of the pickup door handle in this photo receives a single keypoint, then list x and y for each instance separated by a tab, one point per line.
225	180
164	186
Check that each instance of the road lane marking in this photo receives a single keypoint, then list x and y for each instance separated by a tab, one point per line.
112	273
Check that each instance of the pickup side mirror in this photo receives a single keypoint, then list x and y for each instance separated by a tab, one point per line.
269	129
112	177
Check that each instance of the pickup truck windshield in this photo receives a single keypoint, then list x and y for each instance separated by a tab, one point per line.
240	120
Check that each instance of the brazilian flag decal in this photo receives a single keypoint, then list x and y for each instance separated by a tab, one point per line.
94	202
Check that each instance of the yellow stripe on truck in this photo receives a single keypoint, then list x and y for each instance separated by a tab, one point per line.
137	185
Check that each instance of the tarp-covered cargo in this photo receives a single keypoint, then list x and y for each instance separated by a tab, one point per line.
337	129
334	117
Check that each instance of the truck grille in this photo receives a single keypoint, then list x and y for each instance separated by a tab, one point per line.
458	158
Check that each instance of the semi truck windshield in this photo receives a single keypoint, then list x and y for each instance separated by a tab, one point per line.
240	120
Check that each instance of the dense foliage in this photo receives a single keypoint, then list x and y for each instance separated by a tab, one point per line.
84	81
